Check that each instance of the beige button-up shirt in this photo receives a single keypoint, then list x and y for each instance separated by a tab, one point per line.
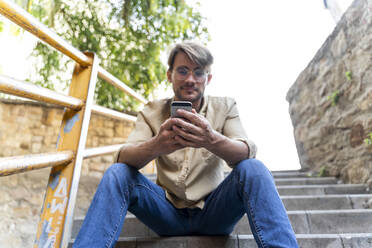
188	175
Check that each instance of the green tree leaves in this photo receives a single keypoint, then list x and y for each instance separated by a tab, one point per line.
128	36
368	140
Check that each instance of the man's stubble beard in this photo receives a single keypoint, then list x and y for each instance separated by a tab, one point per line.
194	99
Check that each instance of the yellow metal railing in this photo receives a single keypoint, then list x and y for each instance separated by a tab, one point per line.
57	212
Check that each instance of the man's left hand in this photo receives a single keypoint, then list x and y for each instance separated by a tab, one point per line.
194	130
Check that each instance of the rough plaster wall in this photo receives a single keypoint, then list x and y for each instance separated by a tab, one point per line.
330	136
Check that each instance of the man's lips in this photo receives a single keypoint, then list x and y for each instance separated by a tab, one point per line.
188	88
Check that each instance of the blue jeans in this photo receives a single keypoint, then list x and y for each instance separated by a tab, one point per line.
249	189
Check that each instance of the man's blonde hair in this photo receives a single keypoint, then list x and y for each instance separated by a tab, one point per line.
197	53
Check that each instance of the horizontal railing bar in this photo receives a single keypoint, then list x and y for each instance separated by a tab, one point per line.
99	151
112	113
34	92
25	20
13	165
105	75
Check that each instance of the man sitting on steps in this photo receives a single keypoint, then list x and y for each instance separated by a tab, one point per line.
191	195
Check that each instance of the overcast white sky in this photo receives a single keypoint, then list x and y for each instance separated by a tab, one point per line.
260	47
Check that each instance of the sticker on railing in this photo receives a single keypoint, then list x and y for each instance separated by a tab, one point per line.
70	123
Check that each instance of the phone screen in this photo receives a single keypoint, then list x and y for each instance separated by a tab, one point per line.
180	105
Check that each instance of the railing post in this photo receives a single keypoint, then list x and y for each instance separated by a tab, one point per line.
57	211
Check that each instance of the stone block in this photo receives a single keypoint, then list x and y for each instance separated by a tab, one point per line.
299	221
306	181
174	242
109	124
95	174
22	212
360	241
346	189
108	159
36	147
126	243
20	193
51	117
28	228
85	169
119	130
118	140
10	240
246	241
4	197
95	142
37	139
98	132
242	227
108	132
316	202
324	241
83	205
134	228
97	167
97	122
10	181
38	130
25	145
302	190
36	200
106	141
7	152
96	160
291	175
50	140
212	242
333	221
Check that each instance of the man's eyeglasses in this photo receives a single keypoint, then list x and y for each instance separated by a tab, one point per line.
181	73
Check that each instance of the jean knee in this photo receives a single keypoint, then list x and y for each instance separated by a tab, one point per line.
120	172
252	169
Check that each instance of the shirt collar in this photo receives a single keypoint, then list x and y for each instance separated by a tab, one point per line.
203	108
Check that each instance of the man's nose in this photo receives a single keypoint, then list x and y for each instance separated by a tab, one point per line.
190	77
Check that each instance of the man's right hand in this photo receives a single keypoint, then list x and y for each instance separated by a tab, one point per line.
138	155
165	140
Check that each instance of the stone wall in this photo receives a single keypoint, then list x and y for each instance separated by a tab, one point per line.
331	102
29	127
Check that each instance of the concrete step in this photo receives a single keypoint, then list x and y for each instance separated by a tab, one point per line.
326	202
281	171
303	222
293	174
323	189
354	240
323	222
306	181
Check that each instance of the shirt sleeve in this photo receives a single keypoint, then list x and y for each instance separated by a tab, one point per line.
233	129
141	133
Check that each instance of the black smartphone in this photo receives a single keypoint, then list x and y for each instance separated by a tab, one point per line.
180	105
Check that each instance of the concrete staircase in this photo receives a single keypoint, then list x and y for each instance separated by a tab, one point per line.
323	213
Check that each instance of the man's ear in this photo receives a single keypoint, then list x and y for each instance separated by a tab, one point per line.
209	78
169	76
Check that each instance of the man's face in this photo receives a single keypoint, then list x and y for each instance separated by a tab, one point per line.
188	79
